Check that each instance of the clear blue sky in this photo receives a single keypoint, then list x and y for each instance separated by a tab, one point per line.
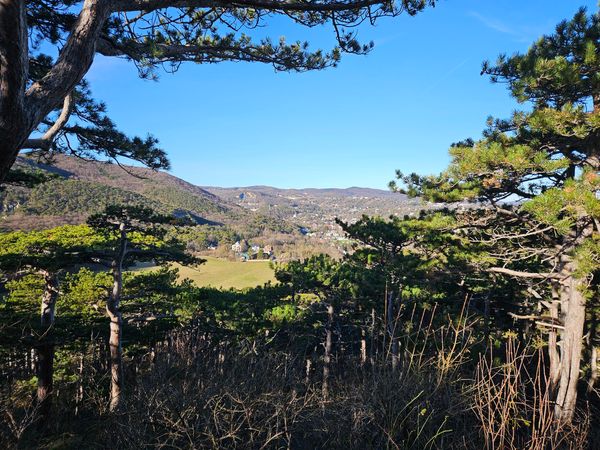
400	107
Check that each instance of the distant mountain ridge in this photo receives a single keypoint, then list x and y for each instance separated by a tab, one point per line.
85	187
316	209
353	191
136	179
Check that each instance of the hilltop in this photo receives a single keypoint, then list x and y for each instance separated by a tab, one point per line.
80	188
296	221
315	210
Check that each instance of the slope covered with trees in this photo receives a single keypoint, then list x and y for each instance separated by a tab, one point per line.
74	188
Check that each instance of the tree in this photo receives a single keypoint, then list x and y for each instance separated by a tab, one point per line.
536	179
138	235
46	253
318	275
40	94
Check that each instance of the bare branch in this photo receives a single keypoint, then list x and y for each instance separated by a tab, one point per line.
519	274
46	140
539	320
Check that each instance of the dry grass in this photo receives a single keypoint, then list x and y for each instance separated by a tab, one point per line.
196	390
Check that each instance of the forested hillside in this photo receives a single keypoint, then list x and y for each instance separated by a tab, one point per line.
79	187
296	222
316	210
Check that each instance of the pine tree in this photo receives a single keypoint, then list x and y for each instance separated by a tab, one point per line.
49	254
536	177
137	234
38	93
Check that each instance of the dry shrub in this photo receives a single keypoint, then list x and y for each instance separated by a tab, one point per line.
513	403
196	391
224	399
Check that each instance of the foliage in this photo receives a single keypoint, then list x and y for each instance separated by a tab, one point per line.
51	249
74	196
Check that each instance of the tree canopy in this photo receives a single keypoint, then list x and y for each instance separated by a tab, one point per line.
47	46
534	180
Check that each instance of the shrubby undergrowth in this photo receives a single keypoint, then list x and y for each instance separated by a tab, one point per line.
196	389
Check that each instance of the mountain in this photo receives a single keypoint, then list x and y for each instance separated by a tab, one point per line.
79	188
315	210
155	185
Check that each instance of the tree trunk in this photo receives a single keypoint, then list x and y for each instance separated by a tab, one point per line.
45	350
79	392
363	347
573	312
372	347
392	320
553	355
328	350
116	325
13	79
45	374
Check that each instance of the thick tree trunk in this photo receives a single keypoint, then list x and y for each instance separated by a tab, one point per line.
22	109
45	374
116	359
573	312
328	351
45	350
49	297
13	79
116	326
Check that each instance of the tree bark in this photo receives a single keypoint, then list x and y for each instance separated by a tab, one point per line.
573	312
13	79
328	351
116	325
45	375
45	350
553	355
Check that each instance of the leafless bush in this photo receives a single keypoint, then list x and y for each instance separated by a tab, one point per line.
513	404
200	391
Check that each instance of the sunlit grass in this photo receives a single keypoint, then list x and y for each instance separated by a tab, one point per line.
222	273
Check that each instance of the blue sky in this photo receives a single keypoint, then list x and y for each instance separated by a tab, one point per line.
400	107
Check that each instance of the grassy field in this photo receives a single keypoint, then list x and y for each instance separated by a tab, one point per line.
222	273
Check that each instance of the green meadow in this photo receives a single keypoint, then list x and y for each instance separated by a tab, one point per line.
222	273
